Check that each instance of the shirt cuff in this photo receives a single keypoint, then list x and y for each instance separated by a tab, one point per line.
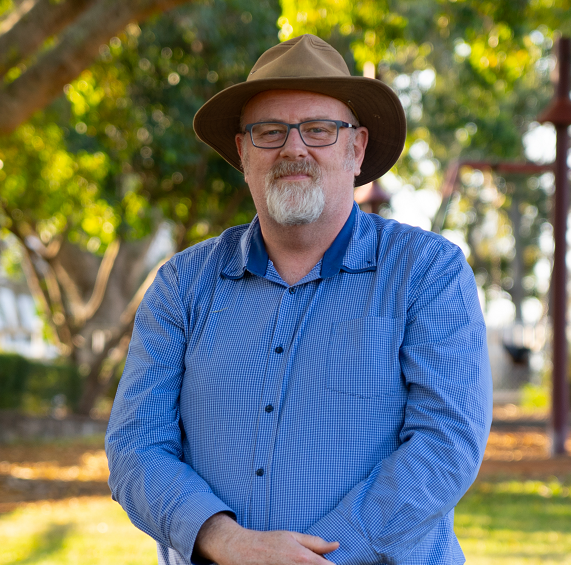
189	518
353	549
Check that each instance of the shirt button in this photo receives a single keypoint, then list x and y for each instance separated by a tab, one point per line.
292	289
260	472
279	349
269	408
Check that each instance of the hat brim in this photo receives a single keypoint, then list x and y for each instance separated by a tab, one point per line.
377	107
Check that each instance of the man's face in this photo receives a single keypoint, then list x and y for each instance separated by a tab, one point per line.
296	184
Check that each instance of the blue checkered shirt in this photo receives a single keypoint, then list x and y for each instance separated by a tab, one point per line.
354	405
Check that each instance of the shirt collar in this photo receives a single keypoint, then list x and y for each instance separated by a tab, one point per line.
352	251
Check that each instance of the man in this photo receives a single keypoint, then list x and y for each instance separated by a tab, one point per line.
313	387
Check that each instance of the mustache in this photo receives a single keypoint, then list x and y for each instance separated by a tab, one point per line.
285	168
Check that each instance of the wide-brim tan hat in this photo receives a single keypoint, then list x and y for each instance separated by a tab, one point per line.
309	63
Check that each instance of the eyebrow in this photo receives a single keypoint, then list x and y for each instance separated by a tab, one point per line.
313	118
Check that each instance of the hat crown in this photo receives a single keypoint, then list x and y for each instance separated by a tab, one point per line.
309	64
303	56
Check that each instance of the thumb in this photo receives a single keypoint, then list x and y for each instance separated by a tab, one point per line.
315	544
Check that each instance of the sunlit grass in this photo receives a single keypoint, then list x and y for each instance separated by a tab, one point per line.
503	522
515	523
86	531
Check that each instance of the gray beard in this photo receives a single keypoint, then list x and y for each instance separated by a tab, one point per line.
295	203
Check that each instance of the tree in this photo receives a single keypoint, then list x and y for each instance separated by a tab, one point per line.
86	183
35	71
473	76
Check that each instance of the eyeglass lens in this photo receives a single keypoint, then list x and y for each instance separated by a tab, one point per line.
314	134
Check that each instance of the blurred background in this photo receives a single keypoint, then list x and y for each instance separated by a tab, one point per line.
102	179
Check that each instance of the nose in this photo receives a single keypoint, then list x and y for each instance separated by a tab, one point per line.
294	147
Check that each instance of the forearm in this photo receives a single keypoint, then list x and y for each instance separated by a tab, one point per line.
163	496
409	494
388	517
216	533
159	490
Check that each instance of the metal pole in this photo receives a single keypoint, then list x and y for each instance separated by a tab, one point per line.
560	397
559	114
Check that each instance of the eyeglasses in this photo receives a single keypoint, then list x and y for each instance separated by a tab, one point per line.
314	133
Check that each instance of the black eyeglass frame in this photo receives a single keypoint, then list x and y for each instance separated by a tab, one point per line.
338	123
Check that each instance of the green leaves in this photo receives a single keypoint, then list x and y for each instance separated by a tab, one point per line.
117	153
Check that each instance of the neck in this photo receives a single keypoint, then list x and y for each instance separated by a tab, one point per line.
295	250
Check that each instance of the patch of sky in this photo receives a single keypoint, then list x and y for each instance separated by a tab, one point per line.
457	237
462	49
539	143
426	79
415	207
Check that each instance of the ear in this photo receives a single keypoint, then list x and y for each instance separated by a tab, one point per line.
360	145
240	140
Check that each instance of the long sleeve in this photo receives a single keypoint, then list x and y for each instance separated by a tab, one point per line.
162	495
444	363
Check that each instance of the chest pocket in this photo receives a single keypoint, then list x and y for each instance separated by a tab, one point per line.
363	357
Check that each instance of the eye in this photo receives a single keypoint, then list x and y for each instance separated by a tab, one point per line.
319	129
269	130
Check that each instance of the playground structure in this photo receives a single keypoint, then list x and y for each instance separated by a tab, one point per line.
559	114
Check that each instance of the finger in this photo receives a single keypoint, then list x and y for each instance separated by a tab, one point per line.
315	544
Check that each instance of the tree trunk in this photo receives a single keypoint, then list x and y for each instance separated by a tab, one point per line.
78	47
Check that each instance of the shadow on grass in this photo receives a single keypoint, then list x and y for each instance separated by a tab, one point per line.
13	489
46	544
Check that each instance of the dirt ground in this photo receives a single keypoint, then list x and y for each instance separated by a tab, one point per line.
32	472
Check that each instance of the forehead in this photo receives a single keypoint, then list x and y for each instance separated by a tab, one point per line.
292	106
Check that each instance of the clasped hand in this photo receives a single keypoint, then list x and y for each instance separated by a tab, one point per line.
225	542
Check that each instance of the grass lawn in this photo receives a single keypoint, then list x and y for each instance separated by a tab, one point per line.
498	522
507	522
84	531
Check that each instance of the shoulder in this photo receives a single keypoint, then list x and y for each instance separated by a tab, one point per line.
214	251
407	244
204	261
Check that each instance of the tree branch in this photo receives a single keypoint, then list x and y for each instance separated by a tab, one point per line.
129	313
31	24
46	252
11	18
78	48
99	378
50	302
36	290
70	288
87	310
115	349
58	309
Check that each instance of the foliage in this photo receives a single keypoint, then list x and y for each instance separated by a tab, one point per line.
103	162
35	387
472	76
13	373
86	184
534	397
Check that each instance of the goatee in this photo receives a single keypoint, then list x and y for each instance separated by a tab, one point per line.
292	203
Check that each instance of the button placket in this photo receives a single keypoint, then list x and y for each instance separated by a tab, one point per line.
273	382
